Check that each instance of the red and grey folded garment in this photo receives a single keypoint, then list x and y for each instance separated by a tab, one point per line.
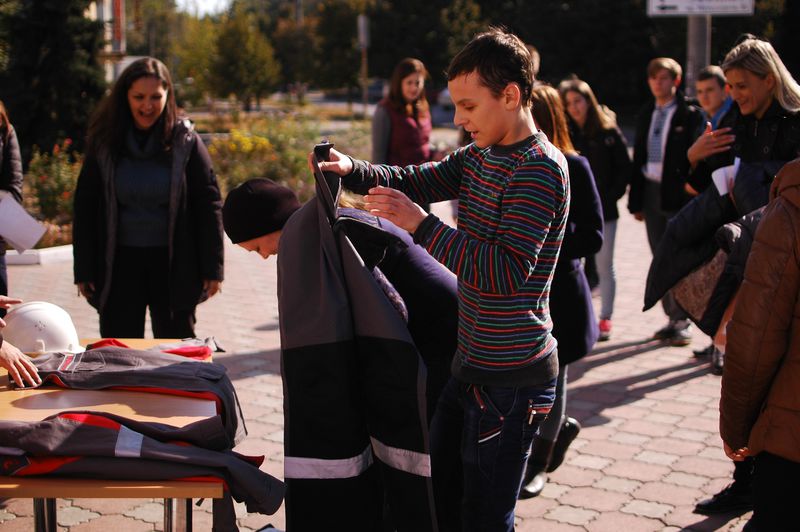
148	371
103	446
195	348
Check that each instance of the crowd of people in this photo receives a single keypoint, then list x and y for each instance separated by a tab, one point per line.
538	182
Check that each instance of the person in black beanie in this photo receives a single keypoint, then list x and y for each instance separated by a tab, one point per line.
255	212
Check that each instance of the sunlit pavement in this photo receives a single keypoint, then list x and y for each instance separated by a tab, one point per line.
648	451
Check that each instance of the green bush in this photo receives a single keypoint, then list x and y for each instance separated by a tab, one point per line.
50	183
275	148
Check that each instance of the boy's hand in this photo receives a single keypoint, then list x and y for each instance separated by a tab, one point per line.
396	207
339	163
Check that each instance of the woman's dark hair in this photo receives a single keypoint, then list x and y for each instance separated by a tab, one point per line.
549	115
405	68
499	58
5	123
597	120
112	119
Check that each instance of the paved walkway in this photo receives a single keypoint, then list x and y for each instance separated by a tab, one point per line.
648	451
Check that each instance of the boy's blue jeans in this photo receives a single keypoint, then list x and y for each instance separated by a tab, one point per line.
493	427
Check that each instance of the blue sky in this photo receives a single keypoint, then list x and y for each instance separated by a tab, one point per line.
202	7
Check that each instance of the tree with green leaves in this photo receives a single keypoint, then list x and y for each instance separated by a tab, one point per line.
296	48
52	78
245	63
195	48
150	28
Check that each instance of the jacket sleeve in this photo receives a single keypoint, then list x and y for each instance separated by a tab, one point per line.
86	209
760	331
621	165
205	205
584	232
12	166
381	133
635	196
426	183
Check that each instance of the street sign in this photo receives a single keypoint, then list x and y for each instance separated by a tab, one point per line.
672	8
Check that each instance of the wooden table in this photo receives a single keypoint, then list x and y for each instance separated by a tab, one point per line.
37	404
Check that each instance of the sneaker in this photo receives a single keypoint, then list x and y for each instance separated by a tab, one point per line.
717	361
605	330
676	333
730	499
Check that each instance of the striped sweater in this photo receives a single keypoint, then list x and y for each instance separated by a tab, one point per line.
512	214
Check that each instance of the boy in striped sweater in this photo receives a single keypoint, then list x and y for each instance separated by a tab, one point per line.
513	188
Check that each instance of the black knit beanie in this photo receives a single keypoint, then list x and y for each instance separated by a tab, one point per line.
256	208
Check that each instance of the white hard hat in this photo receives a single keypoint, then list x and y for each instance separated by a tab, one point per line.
38	327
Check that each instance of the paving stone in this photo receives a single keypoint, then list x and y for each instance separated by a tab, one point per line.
152	512
665	493
646	428
19	507
109	506
630	438
660	417
106	523
594	499
589	462
618	522
72	515
690	435
537	506
574	476
539	524
621	485
675	446
686	480
571	515
610	449
647	509
6	516
635	470
553	490
654	457
702	466
19	524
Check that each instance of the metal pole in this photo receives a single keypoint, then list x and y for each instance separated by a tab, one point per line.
698	48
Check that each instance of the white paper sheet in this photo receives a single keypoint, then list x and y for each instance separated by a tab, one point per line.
18	227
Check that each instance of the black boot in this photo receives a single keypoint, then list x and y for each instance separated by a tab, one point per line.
569	430
535	475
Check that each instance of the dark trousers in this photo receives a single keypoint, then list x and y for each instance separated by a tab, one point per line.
141	280
655	221
493	427
775	494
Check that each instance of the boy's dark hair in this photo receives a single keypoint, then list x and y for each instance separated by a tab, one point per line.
712	72
499	58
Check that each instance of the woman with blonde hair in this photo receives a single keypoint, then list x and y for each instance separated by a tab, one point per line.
574	323
595	135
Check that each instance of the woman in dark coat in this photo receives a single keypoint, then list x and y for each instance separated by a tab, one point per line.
148	227
595	135
10	183
574	324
